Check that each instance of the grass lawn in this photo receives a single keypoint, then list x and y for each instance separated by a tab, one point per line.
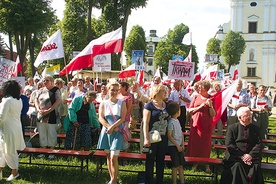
59	175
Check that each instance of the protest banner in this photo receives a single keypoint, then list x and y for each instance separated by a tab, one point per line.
181	70
6	69
102	63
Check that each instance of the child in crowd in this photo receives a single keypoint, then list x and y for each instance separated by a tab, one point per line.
176	142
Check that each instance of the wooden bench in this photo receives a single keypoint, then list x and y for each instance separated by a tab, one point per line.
186	134
82	155
264	151
213	162
33	134
269	135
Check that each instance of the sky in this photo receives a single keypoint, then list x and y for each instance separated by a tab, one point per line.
201	16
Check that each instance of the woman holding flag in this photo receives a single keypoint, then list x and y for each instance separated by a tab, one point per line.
202	111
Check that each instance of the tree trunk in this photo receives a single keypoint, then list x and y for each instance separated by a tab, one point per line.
31	49
89	27
11	46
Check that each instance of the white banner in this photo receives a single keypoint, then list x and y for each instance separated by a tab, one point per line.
102	63
6	69
51	49
181	70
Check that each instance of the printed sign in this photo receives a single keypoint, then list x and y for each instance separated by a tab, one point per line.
138	59
102	63
220	74
6	69
211	57
178	58
181	70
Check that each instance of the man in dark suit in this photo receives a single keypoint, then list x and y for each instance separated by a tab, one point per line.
242	162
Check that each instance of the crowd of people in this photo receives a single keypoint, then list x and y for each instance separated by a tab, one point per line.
78	106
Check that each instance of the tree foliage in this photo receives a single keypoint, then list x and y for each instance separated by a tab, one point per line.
2	47
136	40
213	47
20	19
233	47
171	45
74	27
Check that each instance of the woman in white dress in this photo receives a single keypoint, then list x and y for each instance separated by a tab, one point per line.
11	128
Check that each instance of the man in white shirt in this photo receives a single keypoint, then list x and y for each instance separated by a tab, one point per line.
88	85
239	99
180	96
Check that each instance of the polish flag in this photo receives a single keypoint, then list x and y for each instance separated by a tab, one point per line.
189	57
17	67
235	74
157	72
51	49
222	99
128	72
210	73
111	42
187	39
140	78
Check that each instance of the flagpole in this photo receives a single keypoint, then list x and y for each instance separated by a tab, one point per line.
101	75
66	70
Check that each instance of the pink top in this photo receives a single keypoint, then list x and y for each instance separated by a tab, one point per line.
126	98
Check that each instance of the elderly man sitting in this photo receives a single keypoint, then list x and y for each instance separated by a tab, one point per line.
243	156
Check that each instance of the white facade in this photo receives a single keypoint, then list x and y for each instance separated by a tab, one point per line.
152	40
256	22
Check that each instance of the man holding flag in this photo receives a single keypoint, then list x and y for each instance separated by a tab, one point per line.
239	99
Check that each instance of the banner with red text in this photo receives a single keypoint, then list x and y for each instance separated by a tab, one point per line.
181	70
51	49
6	69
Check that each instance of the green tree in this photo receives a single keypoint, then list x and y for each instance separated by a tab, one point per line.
2	46
171	45
20	19
232	48
74	27
213	47
136	40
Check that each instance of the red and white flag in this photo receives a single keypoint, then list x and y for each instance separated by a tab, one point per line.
210	73
111	42
189	57
235	74
140	78
128	72
187	40
157	72
17	67
222	99
51	49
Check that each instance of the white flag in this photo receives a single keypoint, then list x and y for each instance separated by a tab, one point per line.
51	49
187	40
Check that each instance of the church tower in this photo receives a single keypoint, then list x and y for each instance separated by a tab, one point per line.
256	22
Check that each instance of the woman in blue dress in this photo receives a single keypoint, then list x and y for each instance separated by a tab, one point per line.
112	113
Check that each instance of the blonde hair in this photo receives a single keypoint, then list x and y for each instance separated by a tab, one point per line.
205	84
112	83
156	89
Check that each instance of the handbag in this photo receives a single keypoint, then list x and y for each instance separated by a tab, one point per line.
154	136
124	131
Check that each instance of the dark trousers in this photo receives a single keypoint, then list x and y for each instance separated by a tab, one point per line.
182	117
158	154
